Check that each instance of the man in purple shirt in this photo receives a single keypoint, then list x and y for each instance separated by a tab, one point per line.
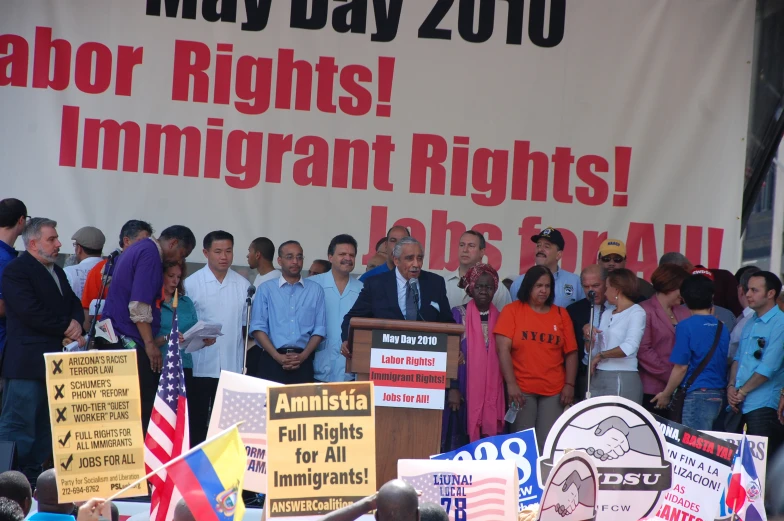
133	303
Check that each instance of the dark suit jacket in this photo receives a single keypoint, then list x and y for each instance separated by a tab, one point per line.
37	314
378	299
580	313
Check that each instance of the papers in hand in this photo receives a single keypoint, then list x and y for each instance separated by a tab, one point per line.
193	339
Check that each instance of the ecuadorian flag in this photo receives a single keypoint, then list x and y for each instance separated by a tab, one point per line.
209	477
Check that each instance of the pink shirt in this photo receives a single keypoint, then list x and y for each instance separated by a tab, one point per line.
656	345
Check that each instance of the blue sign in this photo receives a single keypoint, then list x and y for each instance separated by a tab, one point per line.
519	447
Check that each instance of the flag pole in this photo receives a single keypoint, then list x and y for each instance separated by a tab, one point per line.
175	460
735	501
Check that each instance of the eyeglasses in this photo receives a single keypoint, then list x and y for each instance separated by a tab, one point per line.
758	352
612	258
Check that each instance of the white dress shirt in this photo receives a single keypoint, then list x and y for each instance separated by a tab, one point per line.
77	274
747	314
622	330
224	304
260	279
458	296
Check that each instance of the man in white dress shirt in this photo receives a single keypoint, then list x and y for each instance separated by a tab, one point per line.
472	251
88	245
219	295
748	313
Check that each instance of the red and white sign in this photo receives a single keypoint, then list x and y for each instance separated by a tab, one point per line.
309	118
408	374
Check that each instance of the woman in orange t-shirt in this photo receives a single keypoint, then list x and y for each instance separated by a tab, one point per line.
537	351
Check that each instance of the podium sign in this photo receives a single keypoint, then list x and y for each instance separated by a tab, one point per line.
409	429
409	369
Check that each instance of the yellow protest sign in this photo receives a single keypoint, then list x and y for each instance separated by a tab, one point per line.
322	447
95	411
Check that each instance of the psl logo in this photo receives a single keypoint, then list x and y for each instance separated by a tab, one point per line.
627	449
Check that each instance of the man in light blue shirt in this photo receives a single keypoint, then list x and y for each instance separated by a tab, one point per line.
394	234
288	320
756	377
549	250
340	293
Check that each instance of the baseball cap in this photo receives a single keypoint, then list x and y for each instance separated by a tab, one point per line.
89	237
702	270
612	247
552	235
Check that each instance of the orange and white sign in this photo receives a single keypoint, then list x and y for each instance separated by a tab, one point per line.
409	370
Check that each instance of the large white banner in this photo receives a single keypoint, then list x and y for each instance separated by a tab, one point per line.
309	118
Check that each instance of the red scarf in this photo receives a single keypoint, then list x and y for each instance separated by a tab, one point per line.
484	385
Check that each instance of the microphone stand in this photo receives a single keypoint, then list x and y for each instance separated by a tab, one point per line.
107	268
592	297
249	304
590	351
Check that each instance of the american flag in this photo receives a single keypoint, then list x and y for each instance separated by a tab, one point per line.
484	498
247	408
167	433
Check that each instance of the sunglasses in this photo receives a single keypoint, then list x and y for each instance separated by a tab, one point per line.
612	258
758	352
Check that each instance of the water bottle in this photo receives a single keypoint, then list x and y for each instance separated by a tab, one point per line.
511	413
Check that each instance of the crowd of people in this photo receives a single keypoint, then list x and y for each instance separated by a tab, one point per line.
710	339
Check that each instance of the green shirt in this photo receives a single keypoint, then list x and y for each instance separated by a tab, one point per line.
186	319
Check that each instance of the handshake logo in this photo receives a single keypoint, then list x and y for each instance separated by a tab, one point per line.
570	494
625	445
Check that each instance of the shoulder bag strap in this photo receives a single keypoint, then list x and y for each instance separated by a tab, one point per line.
707	358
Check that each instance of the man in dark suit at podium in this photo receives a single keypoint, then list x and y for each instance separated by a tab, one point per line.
405	293
593	279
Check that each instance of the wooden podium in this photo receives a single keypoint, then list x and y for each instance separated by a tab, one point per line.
402	432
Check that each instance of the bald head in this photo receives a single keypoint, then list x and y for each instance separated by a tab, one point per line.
376	260
594	270
393	236
46	494
432	512
397	501
182	512
676	258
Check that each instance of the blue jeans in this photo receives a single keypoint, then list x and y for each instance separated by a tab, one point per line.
25	421
701	407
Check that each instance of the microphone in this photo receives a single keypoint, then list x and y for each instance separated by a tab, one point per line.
251	291
414	283
113	255
591	295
